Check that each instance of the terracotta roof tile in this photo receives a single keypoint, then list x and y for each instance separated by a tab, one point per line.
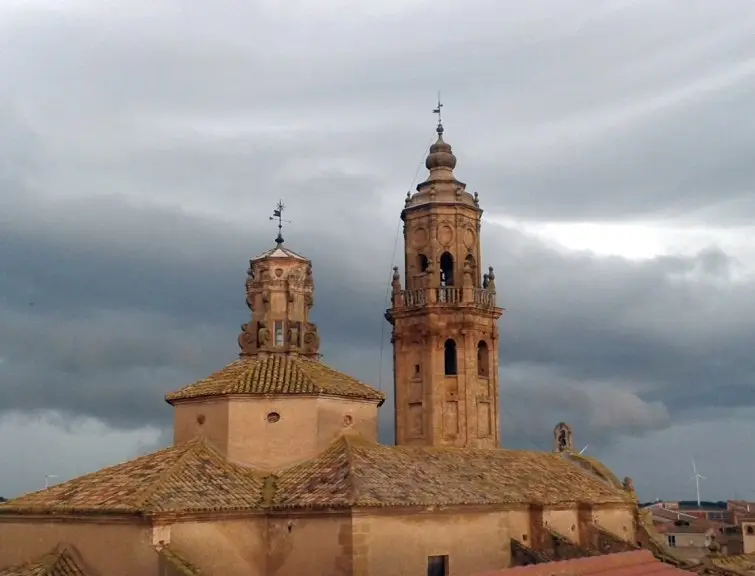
59	562
742	563
351	472
356	472
636	563
277	374
189	477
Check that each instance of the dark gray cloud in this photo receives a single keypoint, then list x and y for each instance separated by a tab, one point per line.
141	151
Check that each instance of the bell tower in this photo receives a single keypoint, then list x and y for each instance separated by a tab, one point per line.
445	320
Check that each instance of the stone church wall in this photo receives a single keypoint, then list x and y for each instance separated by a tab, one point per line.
221	546
304	426
618	521
472	541
107	547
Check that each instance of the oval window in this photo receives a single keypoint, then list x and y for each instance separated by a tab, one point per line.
273	417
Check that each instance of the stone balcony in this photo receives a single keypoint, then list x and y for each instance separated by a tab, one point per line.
420	297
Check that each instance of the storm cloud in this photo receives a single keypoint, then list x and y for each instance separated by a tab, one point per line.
143	147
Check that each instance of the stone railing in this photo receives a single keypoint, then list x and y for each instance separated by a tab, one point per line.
484	298
413	298
444	295
448	295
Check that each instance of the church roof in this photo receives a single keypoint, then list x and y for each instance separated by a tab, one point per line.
638	562
356	472
277	374
351	472
59	562
190	477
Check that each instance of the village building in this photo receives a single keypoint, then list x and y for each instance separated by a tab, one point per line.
276	469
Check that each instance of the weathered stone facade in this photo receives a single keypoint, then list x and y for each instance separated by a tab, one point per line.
445	331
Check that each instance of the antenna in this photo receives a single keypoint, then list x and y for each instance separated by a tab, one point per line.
278	215
583	450
437	111
697	477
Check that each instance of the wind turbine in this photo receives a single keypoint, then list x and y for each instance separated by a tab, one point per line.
697	477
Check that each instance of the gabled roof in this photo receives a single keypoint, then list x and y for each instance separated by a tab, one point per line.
356	472
185	478
351	472
638	562
277	374
59	562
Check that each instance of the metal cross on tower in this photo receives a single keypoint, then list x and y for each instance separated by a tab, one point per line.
437	111
278	215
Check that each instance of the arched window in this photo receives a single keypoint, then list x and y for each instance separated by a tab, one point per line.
450	357
423	262
446	269
483	359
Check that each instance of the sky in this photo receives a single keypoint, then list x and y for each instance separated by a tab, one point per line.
144	145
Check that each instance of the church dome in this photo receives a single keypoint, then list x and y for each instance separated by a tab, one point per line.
440	155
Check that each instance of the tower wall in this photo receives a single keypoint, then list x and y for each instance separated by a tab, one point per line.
445	333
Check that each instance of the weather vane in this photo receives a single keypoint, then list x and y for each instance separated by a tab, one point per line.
278	215
438	111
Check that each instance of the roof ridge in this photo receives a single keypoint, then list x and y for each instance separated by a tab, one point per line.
177	560
141	497
352	489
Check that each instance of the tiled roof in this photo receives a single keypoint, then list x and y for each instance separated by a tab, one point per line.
188	477
277	374
356	472
351	472
59	562
638	562
699	527
672	514
740	564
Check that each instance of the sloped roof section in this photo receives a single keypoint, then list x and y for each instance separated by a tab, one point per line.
278	251
278	374
639	563
356	472
177	561
60	562
741	564
190	477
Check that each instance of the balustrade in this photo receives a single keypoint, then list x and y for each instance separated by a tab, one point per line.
444	295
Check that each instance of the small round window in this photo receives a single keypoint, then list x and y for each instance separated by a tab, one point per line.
273	417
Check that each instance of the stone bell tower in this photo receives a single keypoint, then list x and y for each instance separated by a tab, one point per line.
279	292
445	333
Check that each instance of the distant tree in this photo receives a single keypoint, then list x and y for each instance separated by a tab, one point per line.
3	499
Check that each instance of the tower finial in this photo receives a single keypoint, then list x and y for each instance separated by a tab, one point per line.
437	111
278	215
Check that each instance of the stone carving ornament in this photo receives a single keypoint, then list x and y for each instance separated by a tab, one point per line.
263	336
311	339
